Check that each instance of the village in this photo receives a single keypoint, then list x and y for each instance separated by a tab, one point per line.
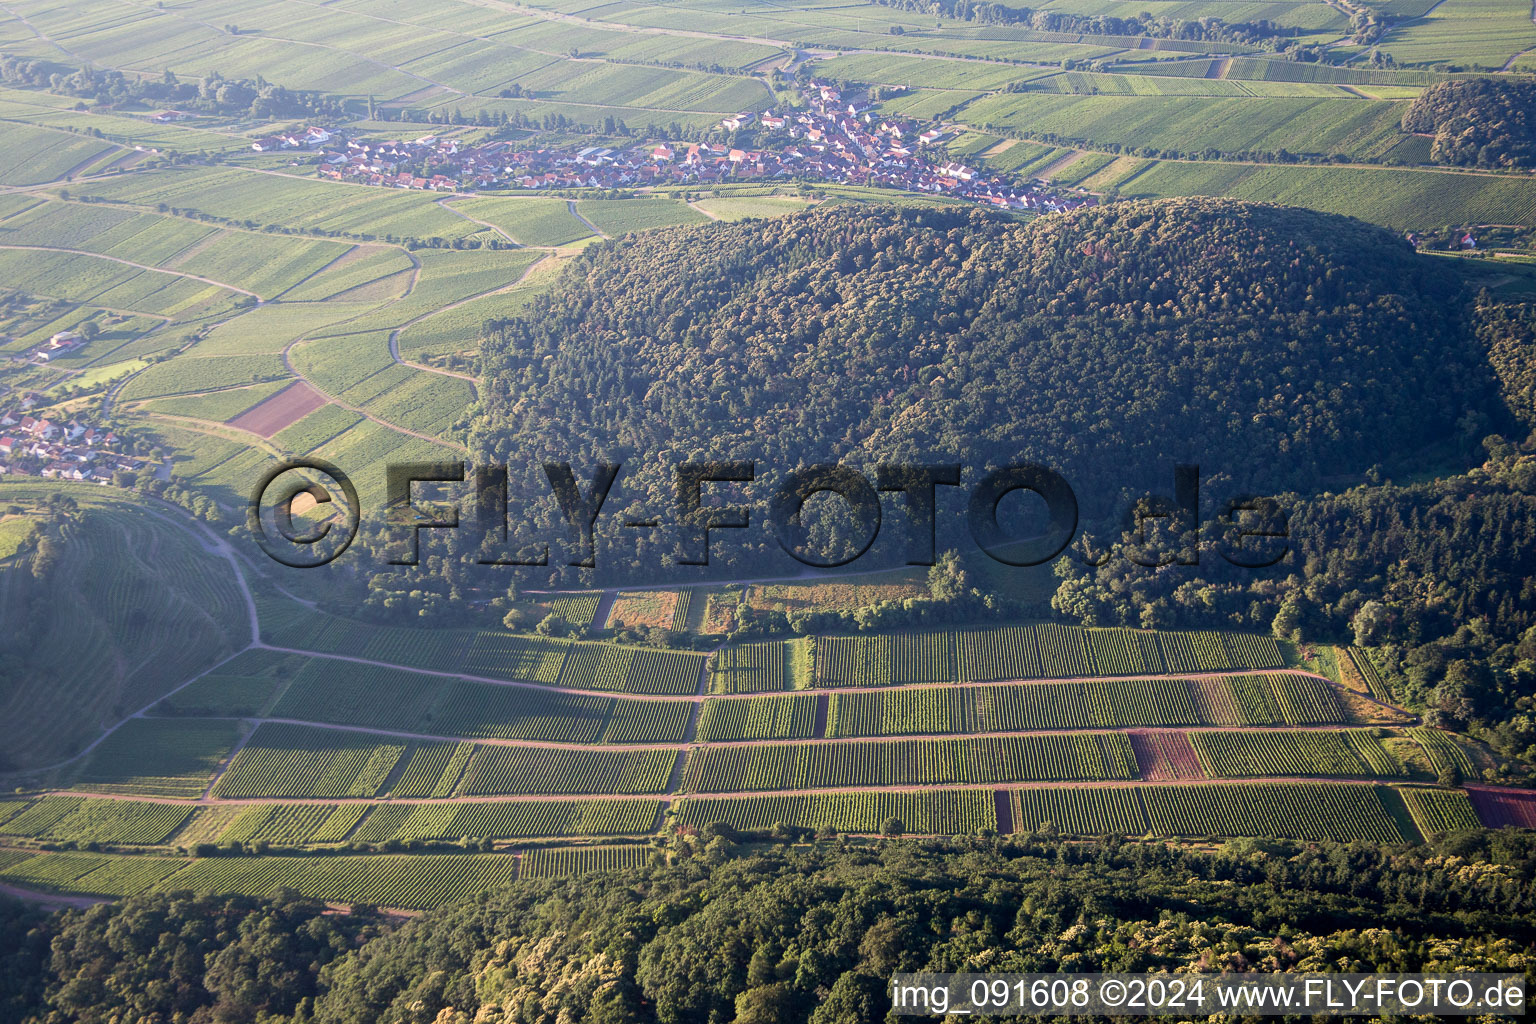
61	449
835	140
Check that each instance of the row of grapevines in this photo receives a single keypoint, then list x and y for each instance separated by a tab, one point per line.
299	761
749	668
1072	756
495	770
935	812
294	823
82	820
1444	753
1310	811
568	861
1440	810
509	819
1232	754
759	718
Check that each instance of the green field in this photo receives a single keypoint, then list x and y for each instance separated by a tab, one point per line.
1085	757
158	757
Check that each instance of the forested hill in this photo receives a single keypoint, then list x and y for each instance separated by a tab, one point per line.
1269	343
1479	122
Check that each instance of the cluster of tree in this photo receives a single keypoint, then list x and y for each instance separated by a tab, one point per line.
1438	573
1142	24
213	93
1268	345
1478	122
219	959
721	931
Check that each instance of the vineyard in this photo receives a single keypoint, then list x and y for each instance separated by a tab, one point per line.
758	718
576	610
1044	651
1098	704
1440	810
1312	811
433	770
1446	756
1079	812
510	656
509	819
567	861
749	668
413	882
1165	755
89	873
1352	753
1498	808
497	770
294	823
295	761
935	812
158	757
81	820
1073	757
1359	661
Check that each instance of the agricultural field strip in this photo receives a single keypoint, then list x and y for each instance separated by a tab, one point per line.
467	36
130	263
690	744
810	689
247	801
333	399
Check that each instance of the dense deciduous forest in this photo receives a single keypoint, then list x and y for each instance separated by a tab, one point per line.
1273	347
731	932
1479	122
1441	573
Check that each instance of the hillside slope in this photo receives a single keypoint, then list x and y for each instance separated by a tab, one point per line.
1270	345
115	607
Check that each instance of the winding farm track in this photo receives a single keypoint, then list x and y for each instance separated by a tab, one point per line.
1511	62
394	335
570	204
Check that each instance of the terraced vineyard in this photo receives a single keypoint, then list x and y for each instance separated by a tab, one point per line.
295	823
1233	700
748	668
296	761
1315	811
158	757
510	819
412	882
565	861
940	812
1044	651
1445	754
509	656
81	820
758	718
1354	753
1081	812
495	770
1440	810
1051	757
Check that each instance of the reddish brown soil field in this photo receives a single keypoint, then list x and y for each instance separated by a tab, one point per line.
285	408
1165	755
1500	807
